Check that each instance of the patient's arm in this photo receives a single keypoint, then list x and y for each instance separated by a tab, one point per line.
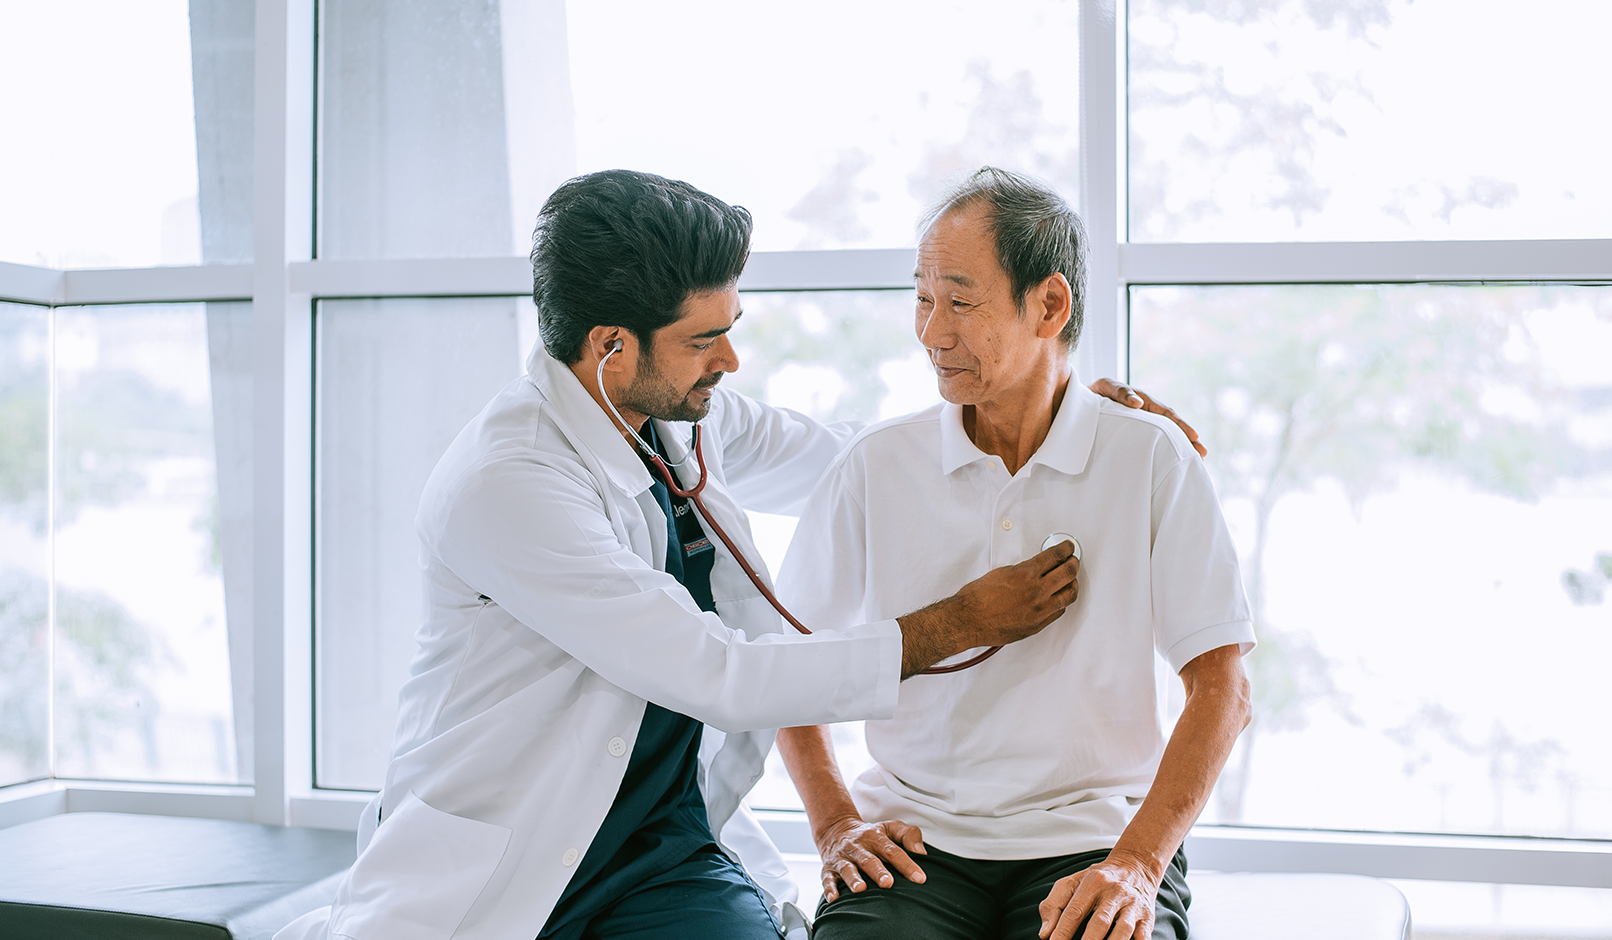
849	846
1120	891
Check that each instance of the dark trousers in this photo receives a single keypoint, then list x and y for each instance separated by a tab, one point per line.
975	899
707	897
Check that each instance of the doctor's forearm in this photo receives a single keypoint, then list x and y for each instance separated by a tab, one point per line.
808	753
1216	711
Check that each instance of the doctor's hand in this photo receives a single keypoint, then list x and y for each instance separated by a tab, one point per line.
1136	398
851	848
998	608
1114	899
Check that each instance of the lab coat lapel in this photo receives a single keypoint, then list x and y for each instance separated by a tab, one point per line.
586	424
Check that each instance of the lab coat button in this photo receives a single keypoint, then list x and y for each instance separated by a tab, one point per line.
1007	524
569	858
617	747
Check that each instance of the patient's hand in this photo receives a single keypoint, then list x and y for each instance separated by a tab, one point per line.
1116	894
1136	398
851	847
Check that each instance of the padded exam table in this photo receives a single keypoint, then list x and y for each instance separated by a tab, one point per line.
111	876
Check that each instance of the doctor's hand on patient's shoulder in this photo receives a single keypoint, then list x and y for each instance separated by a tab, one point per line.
1000	607
852	848
1115	898
1136	398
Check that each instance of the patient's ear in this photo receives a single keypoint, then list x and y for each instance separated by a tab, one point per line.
1051	303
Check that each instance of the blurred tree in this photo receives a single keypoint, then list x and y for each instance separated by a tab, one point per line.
24	678
851	333
1292	385
109	426
1230	102
1186	111
1511	761
1589	587
829	210
1007	126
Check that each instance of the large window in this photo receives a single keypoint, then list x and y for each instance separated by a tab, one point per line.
125	123
260	261
25	640
397	379
832	134
114	569
1419	478
1377	119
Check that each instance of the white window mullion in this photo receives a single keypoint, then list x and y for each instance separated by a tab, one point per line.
1102	191
1367	262
28	284
282	206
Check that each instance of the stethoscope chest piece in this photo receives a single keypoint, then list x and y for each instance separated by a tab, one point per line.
1057	537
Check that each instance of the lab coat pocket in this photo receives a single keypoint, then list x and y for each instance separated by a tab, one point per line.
419	875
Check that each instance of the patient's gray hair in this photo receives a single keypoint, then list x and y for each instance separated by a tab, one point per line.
1037	234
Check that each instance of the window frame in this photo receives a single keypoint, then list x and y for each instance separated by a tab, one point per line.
285	280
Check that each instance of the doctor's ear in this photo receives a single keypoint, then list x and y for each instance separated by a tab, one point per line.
606	341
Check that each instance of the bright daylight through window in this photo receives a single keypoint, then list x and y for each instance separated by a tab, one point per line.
821	164
1336	235
1368	119
1420	482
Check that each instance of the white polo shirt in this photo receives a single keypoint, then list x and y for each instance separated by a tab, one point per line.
1047	748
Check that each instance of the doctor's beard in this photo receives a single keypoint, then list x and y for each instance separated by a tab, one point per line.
651	394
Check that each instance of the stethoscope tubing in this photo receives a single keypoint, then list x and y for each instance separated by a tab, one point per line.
693	495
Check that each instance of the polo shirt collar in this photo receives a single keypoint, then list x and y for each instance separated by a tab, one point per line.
586	423
1066	449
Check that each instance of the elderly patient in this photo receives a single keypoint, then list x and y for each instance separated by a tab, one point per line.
1038	788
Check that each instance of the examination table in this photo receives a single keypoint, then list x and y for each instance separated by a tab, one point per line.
110	876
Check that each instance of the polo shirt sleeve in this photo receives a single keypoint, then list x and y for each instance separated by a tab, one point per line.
1198	600
824	575
772	457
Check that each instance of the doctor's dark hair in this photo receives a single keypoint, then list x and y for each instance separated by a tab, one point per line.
1037	235
621	248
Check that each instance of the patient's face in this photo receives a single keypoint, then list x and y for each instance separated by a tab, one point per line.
981	347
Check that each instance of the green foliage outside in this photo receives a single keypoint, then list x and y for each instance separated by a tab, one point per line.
850	333
110	425
1290	386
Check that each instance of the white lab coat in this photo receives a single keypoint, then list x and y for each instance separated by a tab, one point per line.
549	623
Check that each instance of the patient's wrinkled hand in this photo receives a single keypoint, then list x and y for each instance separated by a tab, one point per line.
1114	898
852	848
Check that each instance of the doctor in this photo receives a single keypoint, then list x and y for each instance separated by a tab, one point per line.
597	679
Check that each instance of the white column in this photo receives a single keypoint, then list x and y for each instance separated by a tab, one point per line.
1102	349
283	212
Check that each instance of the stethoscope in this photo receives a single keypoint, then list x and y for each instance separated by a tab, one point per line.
693	495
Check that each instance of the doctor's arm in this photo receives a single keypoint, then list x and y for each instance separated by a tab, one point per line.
1136	398
1118	893
848	845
